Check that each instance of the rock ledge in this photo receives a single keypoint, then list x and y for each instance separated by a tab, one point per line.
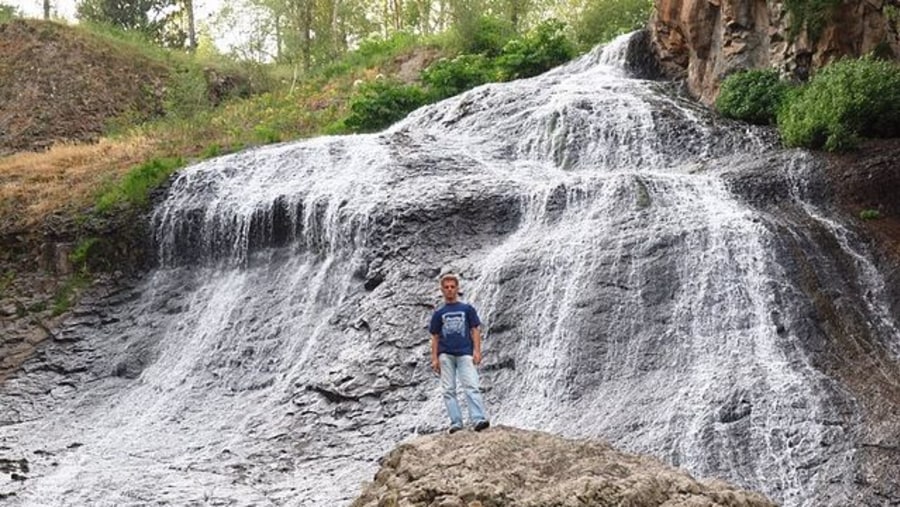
510	466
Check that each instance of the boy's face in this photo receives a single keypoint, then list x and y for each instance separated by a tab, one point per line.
450	289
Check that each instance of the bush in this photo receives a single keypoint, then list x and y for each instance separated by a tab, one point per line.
844	101
487	36
382	102
603	20
450	77
753	96
187	93
542	49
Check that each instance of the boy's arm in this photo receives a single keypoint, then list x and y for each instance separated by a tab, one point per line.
476	341
435	362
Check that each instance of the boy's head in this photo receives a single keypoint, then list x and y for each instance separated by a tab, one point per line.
450	287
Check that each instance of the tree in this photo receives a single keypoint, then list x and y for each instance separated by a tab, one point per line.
8	12
148	17
191	24
602	20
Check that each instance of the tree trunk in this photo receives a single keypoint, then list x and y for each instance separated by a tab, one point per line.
47	10
192	31
307	35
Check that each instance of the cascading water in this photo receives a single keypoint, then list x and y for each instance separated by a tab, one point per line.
280	348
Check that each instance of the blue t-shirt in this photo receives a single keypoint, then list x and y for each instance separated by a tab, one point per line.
453	324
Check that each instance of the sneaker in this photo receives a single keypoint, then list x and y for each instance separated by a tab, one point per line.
454	429
482	425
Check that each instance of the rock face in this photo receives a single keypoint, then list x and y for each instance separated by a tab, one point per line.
705	40
509	466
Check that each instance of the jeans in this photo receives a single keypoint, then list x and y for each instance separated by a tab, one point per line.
463	369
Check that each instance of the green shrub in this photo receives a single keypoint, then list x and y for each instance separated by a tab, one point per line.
266	134
843	102
211	151
187	93
753	96
488	36
603	20
382	102
135	187
870	214
542	49
446	77
81	254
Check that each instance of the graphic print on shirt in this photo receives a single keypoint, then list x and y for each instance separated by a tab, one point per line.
454	324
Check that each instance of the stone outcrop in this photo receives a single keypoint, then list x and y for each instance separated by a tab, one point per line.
704	41
509	466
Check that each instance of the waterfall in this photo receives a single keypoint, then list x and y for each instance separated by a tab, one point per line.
628	293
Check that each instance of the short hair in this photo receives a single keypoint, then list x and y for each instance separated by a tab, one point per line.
450	276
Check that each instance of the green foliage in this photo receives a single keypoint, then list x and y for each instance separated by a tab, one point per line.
604	20
211	151
135	187
373	48
147	17
81	255
373	51
446	77
186	94
8	12
843	102
266	134
870	214
753	96
485	35
812	15
542	49
382	102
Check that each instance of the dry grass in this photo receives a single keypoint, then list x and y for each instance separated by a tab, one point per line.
65	177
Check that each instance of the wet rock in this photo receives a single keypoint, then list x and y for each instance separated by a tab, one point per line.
509	466
13	465
735	410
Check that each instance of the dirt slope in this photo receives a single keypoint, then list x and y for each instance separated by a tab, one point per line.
58	84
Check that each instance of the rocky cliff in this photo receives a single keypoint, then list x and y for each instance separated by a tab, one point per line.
509	466
705	40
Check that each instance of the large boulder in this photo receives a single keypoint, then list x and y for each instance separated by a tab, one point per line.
509	466
704	41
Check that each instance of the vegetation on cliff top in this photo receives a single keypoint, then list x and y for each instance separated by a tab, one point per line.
844	102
